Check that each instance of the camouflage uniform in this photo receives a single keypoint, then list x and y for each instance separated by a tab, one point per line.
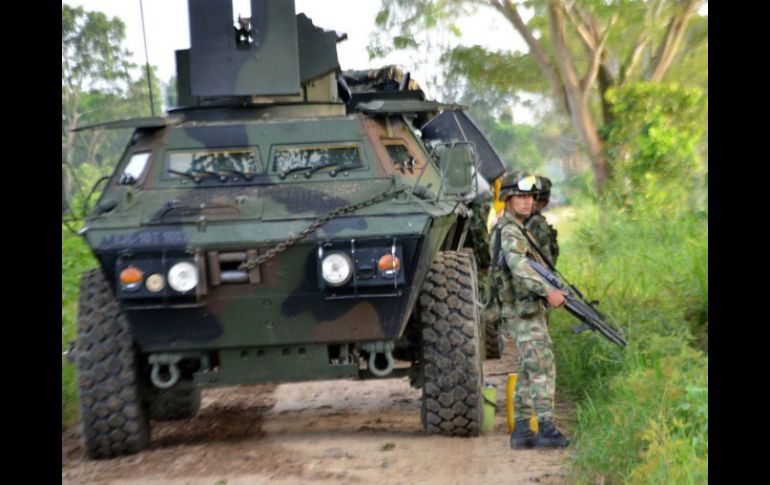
544	234
525	319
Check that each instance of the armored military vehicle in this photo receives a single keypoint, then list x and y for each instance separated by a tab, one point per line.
288	222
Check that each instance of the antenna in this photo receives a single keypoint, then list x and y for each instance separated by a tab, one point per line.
147	60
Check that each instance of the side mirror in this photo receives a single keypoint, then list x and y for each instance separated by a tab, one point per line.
105	206
458	163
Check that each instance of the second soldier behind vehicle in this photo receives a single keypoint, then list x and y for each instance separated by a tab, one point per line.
545	235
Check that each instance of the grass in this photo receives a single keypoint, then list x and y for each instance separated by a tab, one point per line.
643	410
76	258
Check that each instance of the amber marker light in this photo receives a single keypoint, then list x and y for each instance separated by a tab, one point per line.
389	264
131	278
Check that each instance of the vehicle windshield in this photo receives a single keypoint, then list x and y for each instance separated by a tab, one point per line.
290	159
243	161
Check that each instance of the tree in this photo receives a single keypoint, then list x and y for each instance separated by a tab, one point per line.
137	102
581	48
658	127
94	64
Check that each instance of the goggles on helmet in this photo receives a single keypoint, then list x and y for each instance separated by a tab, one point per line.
528	182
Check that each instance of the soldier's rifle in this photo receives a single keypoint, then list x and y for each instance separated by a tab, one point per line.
574	301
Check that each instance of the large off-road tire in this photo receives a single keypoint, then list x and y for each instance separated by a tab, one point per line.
451	353
493	337
113	418
174	404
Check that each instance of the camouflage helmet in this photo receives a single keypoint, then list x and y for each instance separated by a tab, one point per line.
545	187
519	183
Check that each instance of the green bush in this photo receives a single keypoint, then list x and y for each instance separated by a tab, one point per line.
653	144
652	425
642	250
76	258
641	416
677	447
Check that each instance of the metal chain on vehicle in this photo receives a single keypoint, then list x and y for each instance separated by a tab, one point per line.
294	239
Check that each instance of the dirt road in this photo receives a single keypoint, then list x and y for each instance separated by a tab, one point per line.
329	432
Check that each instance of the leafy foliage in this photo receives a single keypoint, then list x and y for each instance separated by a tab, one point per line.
501	71
653	141
92	52
652	425
642	249
97	86
577	51
76	258
644	413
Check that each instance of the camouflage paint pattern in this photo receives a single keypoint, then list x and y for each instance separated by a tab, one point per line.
535	385
525	319
524	283
163	219
544	235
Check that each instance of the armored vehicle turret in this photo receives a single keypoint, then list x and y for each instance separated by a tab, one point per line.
288	222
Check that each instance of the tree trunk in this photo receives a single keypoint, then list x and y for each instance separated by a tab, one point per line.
95	144
580	114
606	81
511	13
71	99
581	120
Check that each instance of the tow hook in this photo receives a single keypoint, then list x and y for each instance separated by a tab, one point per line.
168	361
379	352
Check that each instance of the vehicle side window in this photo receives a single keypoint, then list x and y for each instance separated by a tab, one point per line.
223	162
291	158
400	155
134	168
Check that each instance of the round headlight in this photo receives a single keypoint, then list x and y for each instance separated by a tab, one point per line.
183	277
155	282
336	269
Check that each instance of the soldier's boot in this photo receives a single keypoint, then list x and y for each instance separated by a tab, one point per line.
549	437
522	436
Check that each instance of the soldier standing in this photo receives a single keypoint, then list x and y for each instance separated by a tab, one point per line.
544	234
525	299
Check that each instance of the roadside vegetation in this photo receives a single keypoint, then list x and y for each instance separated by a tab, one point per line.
76	258
642	250
98	84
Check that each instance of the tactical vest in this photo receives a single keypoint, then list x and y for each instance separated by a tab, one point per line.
503	286
511	292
